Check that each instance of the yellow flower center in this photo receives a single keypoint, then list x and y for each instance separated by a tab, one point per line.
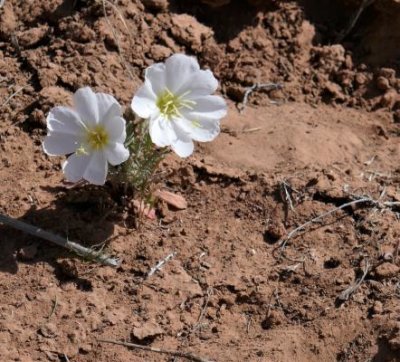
97	138
170	104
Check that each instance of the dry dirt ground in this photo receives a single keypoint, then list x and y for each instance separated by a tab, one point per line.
329	136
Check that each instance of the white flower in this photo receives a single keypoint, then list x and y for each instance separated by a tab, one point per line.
176	99
93	132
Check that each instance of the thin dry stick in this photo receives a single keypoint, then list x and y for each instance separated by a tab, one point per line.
286	197
53	309
187	355
283	243
115	35
255	87
75	247
345	295
353	21
203	311
20	89
368	200
160	264
251	130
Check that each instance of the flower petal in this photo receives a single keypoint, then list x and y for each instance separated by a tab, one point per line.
97	168
183	148
210	107
86	105
182	144
64	120
74	167
179	69
201	83
161	131
116	129
58	144
116	153
144	101
155	76
201	130
108	106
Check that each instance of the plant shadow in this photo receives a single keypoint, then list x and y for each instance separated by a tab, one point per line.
83	215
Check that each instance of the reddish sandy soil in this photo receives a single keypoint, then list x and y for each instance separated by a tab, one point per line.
329	136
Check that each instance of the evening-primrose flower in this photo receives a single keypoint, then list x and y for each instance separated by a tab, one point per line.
93	132
176	99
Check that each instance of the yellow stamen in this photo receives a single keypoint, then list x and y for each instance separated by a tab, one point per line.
81	151
170	104
97	138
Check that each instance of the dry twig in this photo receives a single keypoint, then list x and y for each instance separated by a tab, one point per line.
53	309
115	34
255	87
203	311
353	21
366	200
345	295
75	247
160	264
189	356
19	90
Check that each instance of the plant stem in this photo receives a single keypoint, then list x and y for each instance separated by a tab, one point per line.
60	241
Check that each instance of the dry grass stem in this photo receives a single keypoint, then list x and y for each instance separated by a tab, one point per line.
115	35
203	310
60	241
353	21
255	87
345	295
365	200
19	90
160	264
189	356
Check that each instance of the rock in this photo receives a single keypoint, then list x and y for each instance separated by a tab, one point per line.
177	201
387	270
147	330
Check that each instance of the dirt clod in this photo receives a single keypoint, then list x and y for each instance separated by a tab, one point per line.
387	270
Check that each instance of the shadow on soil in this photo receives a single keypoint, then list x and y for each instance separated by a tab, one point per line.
368	29
227	21
384	352
79	216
